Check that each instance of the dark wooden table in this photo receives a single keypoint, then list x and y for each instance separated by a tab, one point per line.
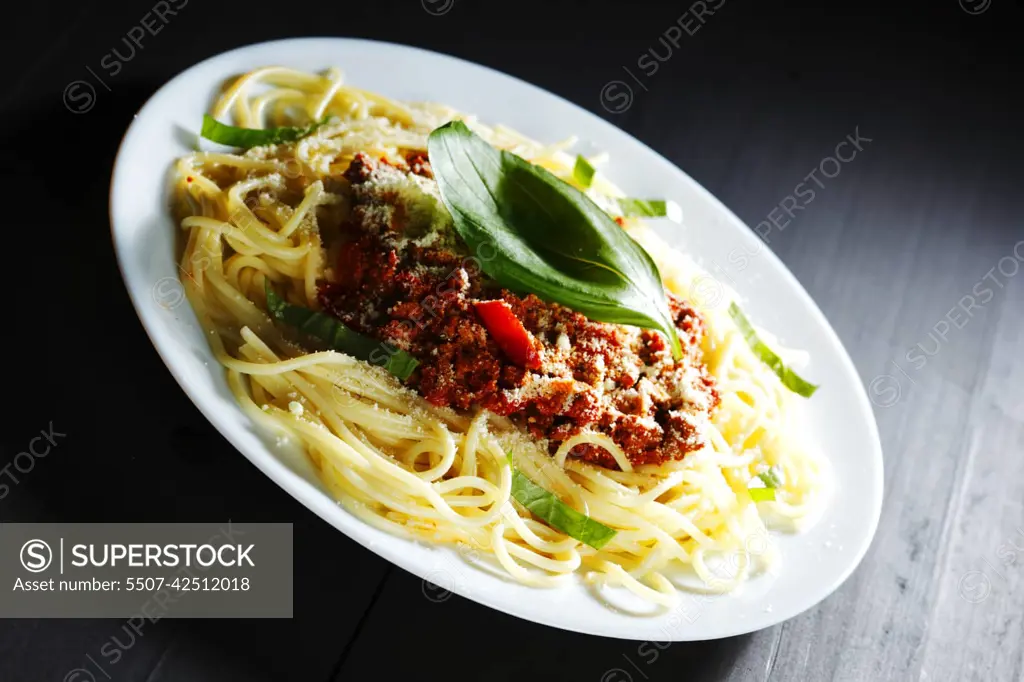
909	249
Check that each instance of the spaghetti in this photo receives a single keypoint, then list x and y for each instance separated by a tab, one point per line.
407	466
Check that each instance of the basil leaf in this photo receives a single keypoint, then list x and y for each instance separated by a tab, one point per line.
583	172
543	236
339	337
644	208
770	478
650	208
761	494
790	379
232	136
557	514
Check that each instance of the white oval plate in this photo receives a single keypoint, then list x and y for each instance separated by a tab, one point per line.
839	416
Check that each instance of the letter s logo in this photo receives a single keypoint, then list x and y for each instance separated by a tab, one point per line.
36	556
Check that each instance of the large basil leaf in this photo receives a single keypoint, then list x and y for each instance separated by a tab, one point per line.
535	233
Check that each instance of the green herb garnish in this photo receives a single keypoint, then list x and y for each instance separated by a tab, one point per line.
339	337
233	136
583	172
557	514
761	494
770	478
544	236
643	208
789	378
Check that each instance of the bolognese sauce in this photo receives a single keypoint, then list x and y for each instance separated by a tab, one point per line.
400	274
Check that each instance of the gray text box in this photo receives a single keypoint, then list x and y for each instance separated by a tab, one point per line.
146	570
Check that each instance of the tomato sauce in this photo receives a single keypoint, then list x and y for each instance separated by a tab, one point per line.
423	298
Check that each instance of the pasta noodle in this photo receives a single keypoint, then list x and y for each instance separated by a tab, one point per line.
431	474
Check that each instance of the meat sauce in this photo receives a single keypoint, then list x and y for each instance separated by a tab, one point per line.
421	296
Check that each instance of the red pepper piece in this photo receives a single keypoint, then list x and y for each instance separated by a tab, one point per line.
509	333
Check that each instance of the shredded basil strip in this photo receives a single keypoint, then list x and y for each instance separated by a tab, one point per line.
789	378
761	494
339	337
643	208
558	514
583	172
770	478
541	235
232	136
